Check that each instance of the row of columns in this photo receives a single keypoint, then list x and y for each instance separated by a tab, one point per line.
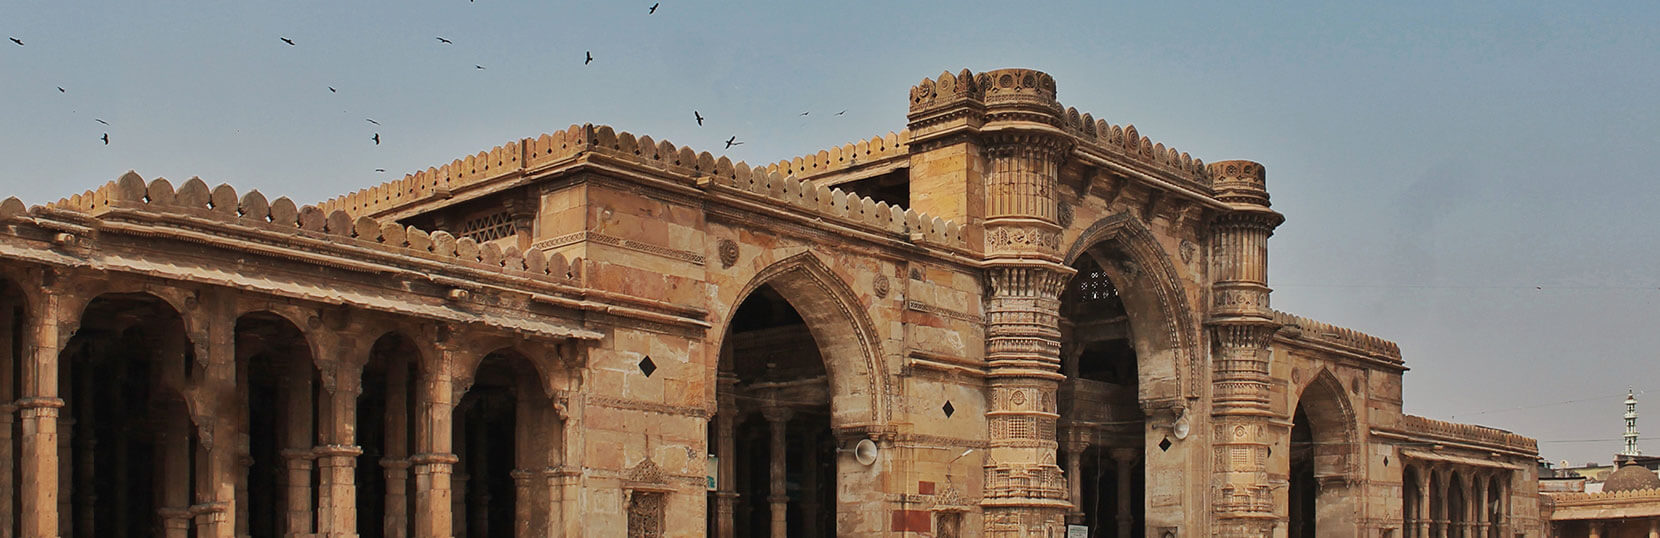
1599	529
1486	502
727	496
1124	458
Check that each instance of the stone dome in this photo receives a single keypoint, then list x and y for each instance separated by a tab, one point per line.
1631	478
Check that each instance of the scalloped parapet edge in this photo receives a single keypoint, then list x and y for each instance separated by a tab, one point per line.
845	156
1468	432
768	182
1575	498
222	203
1125	141
1350	338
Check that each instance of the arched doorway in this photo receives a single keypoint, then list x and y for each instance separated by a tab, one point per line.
1319	498
275	372
776	451
1102	421
386	427
129	453
508	436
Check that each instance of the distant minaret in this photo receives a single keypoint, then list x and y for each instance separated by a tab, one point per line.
1631	425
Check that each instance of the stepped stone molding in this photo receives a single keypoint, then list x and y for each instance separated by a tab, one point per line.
221	203
517	159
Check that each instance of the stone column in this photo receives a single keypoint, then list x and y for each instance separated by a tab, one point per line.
39	405
1125	458
8	417
1424	514
1483	507
1076	443
396	461
1445	520
726	421
778	417
435	462
1025	490
297	458
1242	325
174	455
809	485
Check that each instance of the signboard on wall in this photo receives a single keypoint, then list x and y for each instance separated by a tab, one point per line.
1077	531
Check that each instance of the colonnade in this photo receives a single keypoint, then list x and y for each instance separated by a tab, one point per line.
1076	442
733	504
1449	500
120	416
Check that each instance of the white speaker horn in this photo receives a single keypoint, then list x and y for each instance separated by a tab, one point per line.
865	452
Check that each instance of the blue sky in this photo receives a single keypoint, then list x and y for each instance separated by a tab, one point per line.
1475	181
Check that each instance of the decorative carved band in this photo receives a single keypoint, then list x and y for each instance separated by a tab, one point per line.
578	237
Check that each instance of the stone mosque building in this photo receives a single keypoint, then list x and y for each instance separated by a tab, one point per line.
1008	318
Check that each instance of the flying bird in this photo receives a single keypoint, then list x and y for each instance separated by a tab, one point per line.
445	41
806	113
332	90
61	90
699	118
590	58
381	170
376	138
106	139
653	8
18	41
479	67
842	112
371	120
733	142
290	42
100	121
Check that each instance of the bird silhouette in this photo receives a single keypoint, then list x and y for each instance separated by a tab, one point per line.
806	113
699	118
445	41
479	67
733	142
371	120
590	58
332	90
842	112
100	121
18	41
381	170
376	138
290	42
61	90
106	139
653	8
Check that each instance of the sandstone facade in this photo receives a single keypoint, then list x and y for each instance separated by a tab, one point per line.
1035	318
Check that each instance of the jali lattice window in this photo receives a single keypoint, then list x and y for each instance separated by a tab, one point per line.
645	514
488	227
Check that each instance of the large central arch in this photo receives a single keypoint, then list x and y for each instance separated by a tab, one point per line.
846	336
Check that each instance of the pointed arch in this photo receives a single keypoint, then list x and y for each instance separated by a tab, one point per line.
1161	316
837	319
1333	423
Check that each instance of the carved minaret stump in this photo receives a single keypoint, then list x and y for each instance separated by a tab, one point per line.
1242	325
1026	492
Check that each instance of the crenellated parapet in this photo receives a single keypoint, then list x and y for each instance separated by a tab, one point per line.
532	156
1428	428
193	199
846	156
1301	328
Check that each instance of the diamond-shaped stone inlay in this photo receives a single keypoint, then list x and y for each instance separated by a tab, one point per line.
1164	445
948	409
646	366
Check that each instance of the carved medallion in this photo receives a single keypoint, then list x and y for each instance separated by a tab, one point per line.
880	286
1019	397
1188	251
1063	214
728	250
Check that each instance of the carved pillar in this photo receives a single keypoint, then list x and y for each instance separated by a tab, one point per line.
1125	458
39	405
215	414
1025	491
1242	325
1442	489
1483	507
778	417
1424	514
726	419
395	464
296	438
1076	443
337	456
175	476
434	463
